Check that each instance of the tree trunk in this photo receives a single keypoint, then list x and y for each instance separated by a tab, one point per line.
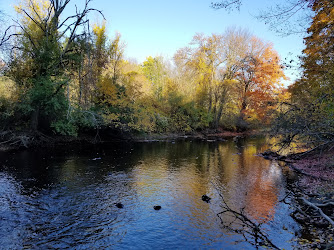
80	89
34	119
219	114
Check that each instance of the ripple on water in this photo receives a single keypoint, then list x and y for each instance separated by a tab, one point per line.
70	200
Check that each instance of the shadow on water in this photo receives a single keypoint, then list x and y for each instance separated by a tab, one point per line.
65	198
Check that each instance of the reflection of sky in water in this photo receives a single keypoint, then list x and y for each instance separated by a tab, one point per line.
72	196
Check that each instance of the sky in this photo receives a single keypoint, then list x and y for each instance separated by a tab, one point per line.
160	28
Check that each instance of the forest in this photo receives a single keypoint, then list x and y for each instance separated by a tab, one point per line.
63	75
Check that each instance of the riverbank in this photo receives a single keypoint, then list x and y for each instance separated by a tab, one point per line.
209	135
22	140
313	192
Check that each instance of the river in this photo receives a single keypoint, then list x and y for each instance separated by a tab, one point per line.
66	197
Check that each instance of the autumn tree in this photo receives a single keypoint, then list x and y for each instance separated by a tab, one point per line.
108	66
204	56
259	74
43	50
120	86
235	49
235	65
268	86
317	61
154	70
93	60
309	115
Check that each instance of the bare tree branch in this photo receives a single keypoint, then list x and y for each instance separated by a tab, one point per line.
279	16
244	226
32	5
5	38
32	19
227	4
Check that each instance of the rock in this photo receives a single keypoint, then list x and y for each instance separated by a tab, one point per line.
206	198
119	205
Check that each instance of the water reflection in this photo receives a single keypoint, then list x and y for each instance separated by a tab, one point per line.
67	199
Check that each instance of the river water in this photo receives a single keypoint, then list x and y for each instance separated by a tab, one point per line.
65	197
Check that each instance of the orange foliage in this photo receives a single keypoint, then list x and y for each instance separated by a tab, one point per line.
318	55
261	81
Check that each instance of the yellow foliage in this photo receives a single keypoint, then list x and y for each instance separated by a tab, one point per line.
8	90
108	89
100	34
38	10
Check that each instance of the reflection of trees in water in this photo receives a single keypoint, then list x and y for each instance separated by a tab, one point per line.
251	191
262	195
238	222
173	175
251	182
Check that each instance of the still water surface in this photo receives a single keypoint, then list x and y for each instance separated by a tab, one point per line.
65	198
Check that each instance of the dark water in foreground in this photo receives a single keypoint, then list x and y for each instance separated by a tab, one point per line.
65	198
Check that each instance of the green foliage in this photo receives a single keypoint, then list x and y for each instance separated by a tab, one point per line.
312	123
162	123
187	117
154	70
78	120
64	127
6	112
45	94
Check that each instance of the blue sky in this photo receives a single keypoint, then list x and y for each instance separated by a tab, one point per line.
156	27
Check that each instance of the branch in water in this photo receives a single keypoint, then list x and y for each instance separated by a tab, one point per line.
241	224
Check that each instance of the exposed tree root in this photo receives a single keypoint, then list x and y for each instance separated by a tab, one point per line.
318	209
11	140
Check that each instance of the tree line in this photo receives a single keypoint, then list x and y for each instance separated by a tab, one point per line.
65	75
